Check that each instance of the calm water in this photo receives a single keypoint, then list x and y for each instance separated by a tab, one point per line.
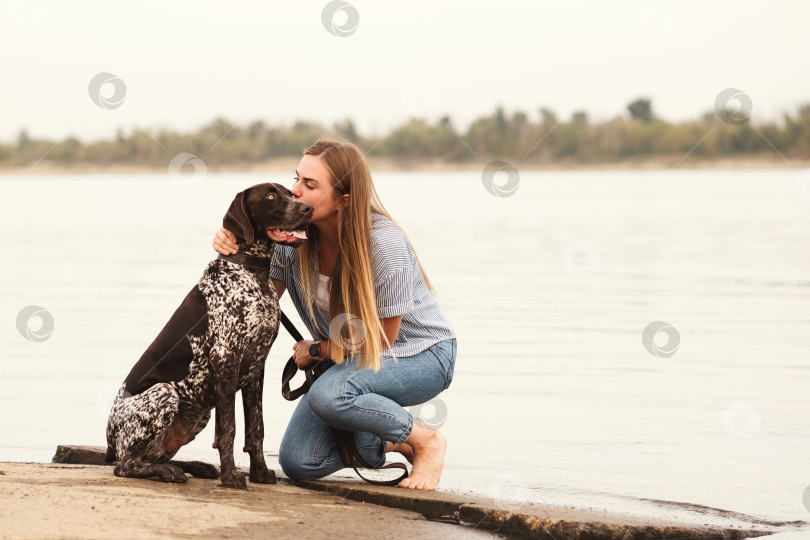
555	397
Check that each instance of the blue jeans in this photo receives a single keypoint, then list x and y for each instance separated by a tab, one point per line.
364	401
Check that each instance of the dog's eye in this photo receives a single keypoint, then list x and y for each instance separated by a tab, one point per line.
271	196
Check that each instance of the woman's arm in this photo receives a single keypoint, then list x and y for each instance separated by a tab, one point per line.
280	287
390	330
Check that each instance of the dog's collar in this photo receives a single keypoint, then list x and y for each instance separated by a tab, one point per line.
247	260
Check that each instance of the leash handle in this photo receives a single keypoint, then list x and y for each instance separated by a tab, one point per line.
311	373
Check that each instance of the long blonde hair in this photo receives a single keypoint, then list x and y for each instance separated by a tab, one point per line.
354	327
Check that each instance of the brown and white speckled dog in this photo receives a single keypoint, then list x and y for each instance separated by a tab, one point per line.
215	344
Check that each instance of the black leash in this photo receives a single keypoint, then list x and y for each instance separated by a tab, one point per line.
290	328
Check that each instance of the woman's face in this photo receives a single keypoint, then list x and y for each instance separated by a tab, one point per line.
313	185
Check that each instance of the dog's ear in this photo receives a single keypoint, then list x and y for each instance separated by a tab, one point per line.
237	219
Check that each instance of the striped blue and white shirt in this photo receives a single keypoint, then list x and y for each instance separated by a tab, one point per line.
398	284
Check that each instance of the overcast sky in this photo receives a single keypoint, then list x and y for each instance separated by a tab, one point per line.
179	64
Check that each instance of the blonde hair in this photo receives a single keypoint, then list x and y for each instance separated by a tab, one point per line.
351	285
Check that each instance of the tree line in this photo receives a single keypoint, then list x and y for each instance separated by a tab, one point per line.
638	135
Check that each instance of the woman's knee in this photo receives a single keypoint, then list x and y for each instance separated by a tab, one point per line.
290	466
294	467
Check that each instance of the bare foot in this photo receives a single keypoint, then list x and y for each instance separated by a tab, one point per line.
428	458
403	448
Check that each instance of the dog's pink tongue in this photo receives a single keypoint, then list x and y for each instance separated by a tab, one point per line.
298	234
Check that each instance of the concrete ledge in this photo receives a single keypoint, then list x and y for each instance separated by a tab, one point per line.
531	520
80	455
527	521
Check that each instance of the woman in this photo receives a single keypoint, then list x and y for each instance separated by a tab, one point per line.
376	316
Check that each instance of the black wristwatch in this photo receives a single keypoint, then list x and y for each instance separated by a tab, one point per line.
315	349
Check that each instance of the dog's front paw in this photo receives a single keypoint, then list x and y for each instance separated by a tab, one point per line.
262	475
171	473
234	480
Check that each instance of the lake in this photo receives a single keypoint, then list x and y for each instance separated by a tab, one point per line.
559	396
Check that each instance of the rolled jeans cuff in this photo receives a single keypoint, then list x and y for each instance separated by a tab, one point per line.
407	432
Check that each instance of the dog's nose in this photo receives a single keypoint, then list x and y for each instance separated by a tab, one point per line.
307	208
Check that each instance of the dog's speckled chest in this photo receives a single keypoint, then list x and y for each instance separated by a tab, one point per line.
243	321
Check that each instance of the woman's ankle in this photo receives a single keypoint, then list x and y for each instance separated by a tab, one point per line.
421	435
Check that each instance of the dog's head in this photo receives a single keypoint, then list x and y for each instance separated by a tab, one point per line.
263	208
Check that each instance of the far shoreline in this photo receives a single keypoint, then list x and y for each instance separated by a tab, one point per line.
287	165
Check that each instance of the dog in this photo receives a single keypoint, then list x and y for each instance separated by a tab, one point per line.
215	344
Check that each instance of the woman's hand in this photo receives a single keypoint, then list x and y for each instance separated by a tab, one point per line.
225	242
301	354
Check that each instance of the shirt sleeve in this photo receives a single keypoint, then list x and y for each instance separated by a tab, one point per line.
394	292
392	261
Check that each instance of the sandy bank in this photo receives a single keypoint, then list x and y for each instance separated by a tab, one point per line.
88	501
79	498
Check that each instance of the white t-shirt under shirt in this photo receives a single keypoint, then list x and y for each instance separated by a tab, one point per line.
398	283
323	292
